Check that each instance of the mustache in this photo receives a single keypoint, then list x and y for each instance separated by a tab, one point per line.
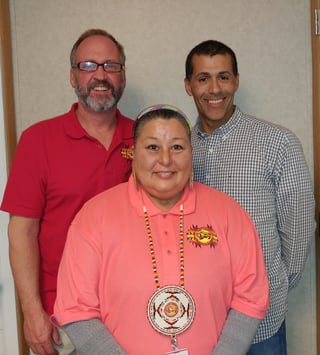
106	83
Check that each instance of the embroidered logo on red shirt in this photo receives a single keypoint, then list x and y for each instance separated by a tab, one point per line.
127	152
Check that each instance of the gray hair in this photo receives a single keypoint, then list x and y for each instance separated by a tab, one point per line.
95	32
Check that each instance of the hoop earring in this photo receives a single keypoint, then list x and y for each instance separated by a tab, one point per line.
191	181
135	181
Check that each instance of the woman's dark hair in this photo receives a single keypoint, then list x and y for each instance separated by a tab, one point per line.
166	112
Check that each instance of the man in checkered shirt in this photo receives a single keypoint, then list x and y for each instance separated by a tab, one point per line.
262	166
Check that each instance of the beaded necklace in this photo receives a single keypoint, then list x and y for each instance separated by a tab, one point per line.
151	247
171	308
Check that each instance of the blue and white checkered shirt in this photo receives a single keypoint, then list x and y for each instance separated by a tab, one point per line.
262	166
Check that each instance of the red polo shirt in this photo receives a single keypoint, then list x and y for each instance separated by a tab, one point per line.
56	168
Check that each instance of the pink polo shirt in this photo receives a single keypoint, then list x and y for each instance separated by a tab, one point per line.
106	269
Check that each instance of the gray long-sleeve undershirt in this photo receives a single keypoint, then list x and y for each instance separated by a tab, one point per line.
92	337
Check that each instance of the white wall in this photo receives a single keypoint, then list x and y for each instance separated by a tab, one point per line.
272	42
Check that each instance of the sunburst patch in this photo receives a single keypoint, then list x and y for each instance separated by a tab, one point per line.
201	236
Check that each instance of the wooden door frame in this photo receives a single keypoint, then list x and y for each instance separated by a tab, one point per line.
315	4
9	122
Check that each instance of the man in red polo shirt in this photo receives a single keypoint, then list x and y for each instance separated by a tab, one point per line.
59	164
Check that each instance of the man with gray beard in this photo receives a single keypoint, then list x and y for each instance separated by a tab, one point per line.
59	164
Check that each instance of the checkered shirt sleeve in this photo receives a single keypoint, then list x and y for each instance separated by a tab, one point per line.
262	166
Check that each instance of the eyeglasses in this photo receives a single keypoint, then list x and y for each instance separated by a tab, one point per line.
108	67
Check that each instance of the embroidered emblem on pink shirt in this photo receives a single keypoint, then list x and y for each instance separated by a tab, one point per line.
199	236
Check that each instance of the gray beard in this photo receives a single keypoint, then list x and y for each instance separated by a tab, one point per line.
99	105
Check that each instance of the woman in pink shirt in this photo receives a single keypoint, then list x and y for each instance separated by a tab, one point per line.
161	264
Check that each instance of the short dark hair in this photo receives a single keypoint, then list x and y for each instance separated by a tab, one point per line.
95	32
210	48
